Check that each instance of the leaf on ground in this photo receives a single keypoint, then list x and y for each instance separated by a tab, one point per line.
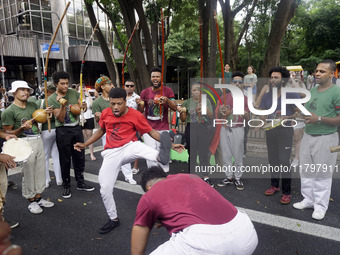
85	204
331	199
257	202
299	225
60	200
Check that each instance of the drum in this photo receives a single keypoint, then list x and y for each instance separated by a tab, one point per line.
18	148
273	124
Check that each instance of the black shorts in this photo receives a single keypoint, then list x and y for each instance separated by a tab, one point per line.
89	124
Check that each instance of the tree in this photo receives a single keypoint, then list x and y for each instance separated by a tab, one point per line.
231	43
102	42
285	12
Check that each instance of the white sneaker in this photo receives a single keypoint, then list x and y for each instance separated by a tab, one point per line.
47	185
135	171
318	215
295	163
301	206
45	203
35	208
131	181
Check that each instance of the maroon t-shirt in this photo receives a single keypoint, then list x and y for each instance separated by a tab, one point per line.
183	200
152	110
122	130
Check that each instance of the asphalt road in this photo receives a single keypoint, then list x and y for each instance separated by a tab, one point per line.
71	226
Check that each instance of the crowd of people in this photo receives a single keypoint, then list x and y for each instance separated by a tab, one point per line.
124	119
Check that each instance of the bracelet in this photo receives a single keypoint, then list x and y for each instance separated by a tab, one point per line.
9	248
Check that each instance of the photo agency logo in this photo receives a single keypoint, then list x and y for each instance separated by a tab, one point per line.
239	105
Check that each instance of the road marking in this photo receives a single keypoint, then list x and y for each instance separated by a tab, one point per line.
282	222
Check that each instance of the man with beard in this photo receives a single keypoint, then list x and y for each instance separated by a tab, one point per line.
68	132
279	139
320	134
154	102
121	123
16	120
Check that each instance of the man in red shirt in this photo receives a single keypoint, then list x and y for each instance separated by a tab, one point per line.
120	123
198	218
156	109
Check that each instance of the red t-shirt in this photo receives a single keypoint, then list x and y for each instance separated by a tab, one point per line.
232	119
182	200
152	109
121	130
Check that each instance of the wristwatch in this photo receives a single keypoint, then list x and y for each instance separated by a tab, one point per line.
319	118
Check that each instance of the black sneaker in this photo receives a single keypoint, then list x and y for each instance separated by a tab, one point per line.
239	185
207	180
164	150
84	187
111	224
225	182
67	193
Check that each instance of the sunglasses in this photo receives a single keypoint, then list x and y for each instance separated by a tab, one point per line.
129	86
237	82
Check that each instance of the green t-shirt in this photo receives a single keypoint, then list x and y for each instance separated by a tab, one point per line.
324	104
192	115
72	97
32	99
16	116
45	125
100	104
227	77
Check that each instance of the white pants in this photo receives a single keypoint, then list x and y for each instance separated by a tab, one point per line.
113	159
51	150
232	145
149	141
34	171
316	184
237	237
126	169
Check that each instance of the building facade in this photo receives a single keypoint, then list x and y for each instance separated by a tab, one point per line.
27	26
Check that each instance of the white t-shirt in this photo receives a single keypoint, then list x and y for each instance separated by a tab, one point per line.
131	101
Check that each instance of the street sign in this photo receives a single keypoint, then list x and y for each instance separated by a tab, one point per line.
54	48
2	69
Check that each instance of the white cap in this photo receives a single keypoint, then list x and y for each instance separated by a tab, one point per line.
20	84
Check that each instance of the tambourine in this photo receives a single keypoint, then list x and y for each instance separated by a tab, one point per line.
274	124
40	116
18	148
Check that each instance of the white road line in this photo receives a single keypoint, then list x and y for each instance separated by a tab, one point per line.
291	224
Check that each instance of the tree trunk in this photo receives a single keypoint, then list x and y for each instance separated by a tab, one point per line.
285	12
138	5
119	40
136	46
213	40
204	11
102	43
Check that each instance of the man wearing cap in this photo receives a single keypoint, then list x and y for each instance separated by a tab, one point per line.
104	85
49	140
16	120
154	102
68	132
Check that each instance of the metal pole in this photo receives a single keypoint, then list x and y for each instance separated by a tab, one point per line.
178	81
37	59
61	30
2	60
